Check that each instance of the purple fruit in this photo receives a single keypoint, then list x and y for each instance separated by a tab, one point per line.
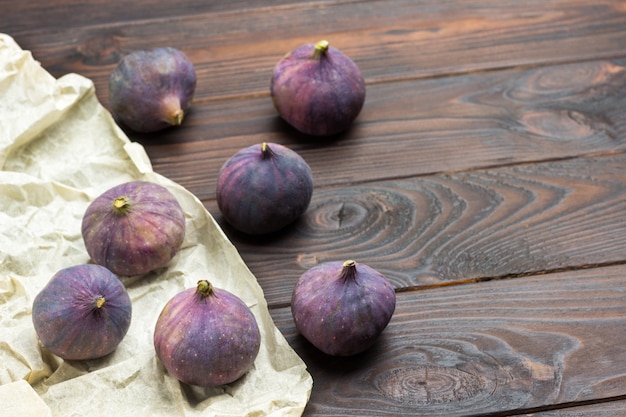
317	89
151	90
342	308
134	228
263	188
83	312
207	336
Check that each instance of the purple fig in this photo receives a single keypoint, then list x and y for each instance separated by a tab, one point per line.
207	336
133	228
317	89
263	188
342	308
83	312
151	90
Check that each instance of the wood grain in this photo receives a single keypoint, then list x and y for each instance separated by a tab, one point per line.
43	15
485	177
418	127
610	408
491	347
453	227
234	52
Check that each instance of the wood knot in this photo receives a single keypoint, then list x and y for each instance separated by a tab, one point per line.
559	125
421	385
360	210
100	50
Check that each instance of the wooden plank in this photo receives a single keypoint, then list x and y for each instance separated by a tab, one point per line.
616	408
494	347
234	53
454	227
418	127
46	16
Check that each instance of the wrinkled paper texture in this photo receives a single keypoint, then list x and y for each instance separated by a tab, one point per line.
59	149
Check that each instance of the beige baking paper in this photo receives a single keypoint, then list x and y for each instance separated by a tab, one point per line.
59	149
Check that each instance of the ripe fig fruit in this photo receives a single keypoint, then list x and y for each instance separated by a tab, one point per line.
263	188
207	336
83	312
150	90
317	89
134	228
342	308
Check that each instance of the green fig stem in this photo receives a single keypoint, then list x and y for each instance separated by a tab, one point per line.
320	49
204	288
121	205
266	151
100	301
348	271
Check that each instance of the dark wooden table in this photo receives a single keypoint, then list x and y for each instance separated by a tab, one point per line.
485	177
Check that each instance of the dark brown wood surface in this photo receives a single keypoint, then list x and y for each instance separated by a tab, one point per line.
485	177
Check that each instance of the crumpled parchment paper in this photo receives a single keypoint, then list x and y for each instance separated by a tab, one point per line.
59	149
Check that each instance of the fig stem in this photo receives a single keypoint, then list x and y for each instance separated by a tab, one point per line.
172	111
266	151
204	288
177	117
348	272
100	301
121	205
320	49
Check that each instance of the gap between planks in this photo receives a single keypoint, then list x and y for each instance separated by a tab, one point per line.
185	17
371	81
211	199
427	287
551	407
472	169
489	166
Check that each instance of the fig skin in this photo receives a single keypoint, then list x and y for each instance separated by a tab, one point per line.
133	228
206	336
317	89
263	188
83	312
151	90
342	308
